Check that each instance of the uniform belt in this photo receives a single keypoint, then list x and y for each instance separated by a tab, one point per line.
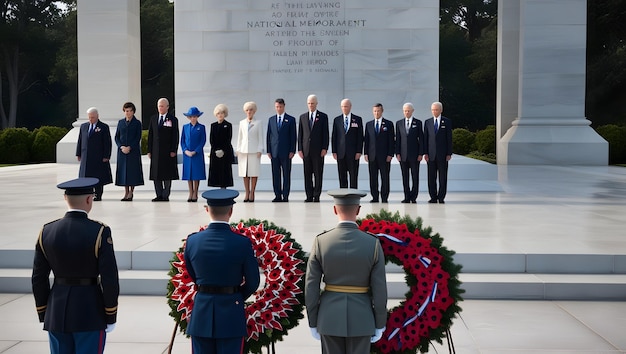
218	289
347	289
76	281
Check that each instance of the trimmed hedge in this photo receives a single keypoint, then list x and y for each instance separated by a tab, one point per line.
462	141
486	140
18	145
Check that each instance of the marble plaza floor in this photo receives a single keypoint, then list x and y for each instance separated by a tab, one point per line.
533	210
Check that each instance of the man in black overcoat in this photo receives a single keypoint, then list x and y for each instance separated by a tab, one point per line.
163	137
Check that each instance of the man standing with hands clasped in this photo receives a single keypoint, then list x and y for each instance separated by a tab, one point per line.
312	148
409	151
281	147
438	151
347	144
351	311
81	306
162	149
379	150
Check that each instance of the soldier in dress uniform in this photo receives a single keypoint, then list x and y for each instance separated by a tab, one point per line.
226	272
351	311
81	306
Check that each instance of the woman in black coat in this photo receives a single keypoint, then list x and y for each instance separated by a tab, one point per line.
221	158
129	171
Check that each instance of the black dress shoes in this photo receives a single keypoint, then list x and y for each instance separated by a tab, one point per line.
374	201
316	200
277	200
441	201
433	201
97	199
405	201
308	200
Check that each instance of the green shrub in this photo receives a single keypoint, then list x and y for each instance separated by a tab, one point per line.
15	145
491	158
144	142
616	136
462	141
44	144
486	140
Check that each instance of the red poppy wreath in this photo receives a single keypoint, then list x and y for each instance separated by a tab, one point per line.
276	307
434	293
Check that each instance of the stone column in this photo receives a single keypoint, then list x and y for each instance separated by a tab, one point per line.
109	65
550	127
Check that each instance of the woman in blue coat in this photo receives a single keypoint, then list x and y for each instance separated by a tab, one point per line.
192	142
129	172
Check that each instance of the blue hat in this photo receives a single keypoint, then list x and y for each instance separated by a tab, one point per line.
347	196
220	197
193	111
79	186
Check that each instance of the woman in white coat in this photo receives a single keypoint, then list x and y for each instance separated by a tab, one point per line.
249	149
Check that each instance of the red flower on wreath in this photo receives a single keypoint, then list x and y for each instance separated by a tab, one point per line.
411	322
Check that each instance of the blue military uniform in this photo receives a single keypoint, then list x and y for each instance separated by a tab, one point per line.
222	264
83	298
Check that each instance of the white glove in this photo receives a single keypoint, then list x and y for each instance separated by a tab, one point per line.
219	153
110	328
377	335
314	333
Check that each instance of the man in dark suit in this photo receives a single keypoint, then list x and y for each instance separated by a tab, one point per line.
163	138
379	150
312	147
351	312
347	144
281	147
437	152
409	151
222	264
93	150
81	306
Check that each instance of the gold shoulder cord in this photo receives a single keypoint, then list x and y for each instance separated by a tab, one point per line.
41	243
98	241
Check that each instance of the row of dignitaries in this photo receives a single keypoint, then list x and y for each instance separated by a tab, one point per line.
81	306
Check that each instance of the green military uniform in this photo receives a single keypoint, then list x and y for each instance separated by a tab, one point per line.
353	303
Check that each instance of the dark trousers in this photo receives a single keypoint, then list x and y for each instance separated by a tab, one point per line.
163	188
281	176
345	345
382	167
91	342
345	167
410	172
438	169
202	345
313	171
99	190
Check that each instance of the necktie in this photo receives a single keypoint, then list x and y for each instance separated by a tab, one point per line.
408	124
311	121
377	127
345	124
436	126
280	121
161	121
91	129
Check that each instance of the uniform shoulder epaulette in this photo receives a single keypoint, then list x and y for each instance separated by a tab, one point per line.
323	232
99	222
48	223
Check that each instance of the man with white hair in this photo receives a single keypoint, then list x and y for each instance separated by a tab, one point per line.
312	147
93	151
163	138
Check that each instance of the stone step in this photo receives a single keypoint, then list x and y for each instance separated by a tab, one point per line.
588	287
471	262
